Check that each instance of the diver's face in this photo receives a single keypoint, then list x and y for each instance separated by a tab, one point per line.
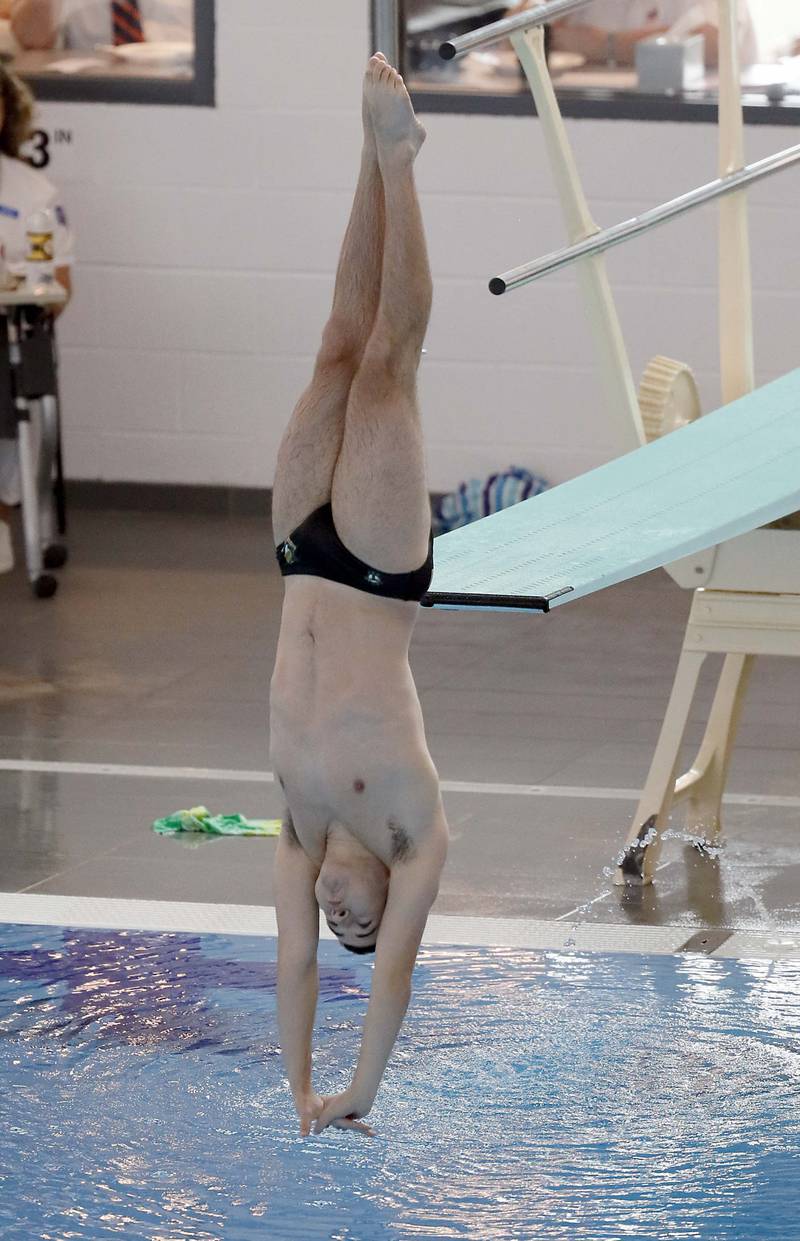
353	898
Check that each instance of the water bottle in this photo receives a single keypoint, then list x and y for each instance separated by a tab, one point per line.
40	269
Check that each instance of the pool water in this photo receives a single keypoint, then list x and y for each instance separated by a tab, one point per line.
531	1095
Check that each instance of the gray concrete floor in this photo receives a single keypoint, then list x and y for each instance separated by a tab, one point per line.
158	651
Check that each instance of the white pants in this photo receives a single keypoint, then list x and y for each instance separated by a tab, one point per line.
9	472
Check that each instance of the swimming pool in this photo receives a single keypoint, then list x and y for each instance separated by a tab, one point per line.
532	1095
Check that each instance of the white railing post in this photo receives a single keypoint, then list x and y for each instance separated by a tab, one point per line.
615	371
735	285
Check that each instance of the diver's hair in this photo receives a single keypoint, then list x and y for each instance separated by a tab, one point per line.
361	951
18	110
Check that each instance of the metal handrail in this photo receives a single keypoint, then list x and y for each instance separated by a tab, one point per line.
496	31
388	30
604	239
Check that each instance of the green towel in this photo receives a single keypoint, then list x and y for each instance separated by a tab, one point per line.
199	819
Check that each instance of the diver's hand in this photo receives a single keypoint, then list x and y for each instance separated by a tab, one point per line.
309	1105
343	1112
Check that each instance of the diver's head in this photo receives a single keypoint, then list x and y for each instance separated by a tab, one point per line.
351	891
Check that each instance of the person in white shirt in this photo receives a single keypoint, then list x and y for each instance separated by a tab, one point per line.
23	190
607	31
82	24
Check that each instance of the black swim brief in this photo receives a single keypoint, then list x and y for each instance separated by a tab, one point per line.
315	549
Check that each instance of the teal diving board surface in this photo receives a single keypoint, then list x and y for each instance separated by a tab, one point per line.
721	476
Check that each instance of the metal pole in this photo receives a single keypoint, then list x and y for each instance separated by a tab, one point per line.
496	31
737	364
609	237
387	36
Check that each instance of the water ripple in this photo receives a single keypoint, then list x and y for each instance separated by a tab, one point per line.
532	1096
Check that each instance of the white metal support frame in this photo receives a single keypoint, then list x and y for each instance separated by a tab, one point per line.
615	369
749	603
741	625
766	619
526	32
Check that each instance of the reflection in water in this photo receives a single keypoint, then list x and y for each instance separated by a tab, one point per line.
143	989
705	892
531	1096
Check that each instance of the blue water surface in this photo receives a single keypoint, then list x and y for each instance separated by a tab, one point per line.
532	1095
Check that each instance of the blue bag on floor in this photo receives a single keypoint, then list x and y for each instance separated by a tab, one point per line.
475	499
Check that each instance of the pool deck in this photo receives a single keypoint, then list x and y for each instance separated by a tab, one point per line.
142	688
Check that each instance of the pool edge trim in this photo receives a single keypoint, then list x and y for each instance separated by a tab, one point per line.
39	909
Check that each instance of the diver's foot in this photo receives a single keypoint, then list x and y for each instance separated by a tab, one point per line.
398	133
370	151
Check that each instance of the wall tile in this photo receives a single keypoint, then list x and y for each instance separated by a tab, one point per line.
102	389
309	150
263	231
484	402
208	242
150	146
217	459
247	394
164	310
447	469
290	68
312	15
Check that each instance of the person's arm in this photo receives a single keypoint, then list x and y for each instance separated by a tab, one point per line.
594	43
64	278
711	50
298	980
34	23
413	887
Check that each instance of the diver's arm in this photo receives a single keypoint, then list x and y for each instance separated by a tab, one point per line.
596	43
413	887
298	977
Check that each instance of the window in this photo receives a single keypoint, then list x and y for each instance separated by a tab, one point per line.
641	59
132	51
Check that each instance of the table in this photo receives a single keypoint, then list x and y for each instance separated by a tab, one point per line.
497	71
58	63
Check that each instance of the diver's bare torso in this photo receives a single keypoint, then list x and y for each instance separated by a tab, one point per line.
347	736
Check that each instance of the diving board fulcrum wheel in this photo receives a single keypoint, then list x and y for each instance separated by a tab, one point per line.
668	397
669	400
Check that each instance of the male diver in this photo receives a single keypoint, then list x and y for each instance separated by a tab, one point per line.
365	836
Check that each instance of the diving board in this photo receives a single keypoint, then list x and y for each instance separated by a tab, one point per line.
721	476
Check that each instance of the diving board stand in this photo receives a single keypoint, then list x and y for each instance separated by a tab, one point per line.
708	483
694	501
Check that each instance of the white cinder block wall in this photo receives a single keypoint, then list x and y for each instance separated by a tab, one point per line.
208	238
